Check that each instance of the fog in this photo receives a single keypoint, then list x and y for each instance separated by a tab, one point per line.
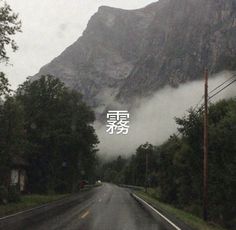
153	120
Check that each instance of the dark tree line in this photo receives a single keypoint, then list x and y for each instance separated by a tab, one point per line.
50	127
176	167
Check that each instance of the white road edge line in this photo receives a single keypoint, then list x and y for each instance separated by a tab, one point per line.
35	208
170	222
25	211
32	209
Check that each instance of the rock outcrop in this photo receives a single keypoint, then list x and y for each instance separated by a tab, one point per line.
126	54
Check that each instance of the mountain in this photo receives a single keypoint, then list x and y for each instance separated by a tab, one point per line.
127	54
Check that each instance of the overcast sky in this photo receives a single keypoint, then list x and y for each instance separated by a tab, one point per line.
49	26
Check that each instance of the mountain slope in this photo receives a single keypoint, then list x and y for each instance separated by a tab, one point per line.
126	54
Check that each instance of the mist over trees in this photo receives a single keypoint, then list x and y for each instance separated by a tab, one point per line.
176	167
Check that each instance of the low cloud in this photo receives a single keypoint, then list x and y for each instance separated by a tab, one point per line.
153	120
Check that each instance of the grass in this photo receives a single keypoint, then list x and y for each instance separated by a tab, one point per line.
31	201
27	202
195	222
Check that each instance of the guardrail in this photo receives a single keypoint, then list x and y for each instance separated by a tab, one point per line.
138	188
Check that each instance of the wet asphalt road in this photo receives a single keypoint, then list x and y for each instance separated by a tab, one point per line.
108	207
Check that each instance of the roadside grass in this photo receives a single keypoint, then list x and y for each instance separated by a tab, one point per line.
194	222
27	202
32	201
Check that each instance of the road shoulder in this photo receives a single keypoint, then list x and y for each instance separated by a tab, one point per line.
43	212
183	220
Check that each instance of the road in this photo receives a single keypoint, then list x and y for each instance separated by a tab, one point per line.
107	207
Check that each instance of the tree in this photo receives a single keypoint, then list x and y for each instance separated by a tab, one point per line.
4	86
188	159
62	140
167	171
12	134
188	162
222	161
9	25
143	152
9	109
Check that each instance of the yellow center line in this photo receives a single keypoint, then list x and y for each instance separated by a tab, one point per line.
85	214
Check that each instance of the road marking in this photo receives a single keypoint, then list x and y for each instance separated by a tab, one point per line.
28	210
170	222
85	214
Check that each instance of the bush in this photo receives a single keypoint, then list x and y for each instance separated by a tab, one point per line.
3	194
14	193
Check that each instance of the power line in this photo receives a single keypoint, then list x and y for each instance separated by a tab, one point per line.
222	89
216	92
222	84
210	97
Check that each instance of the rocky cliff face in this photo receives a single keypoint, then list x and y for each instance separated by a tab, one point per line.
125	54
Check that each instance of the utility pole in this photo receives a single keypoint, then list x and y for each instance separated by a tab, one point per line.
205	160
146	176
146	147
